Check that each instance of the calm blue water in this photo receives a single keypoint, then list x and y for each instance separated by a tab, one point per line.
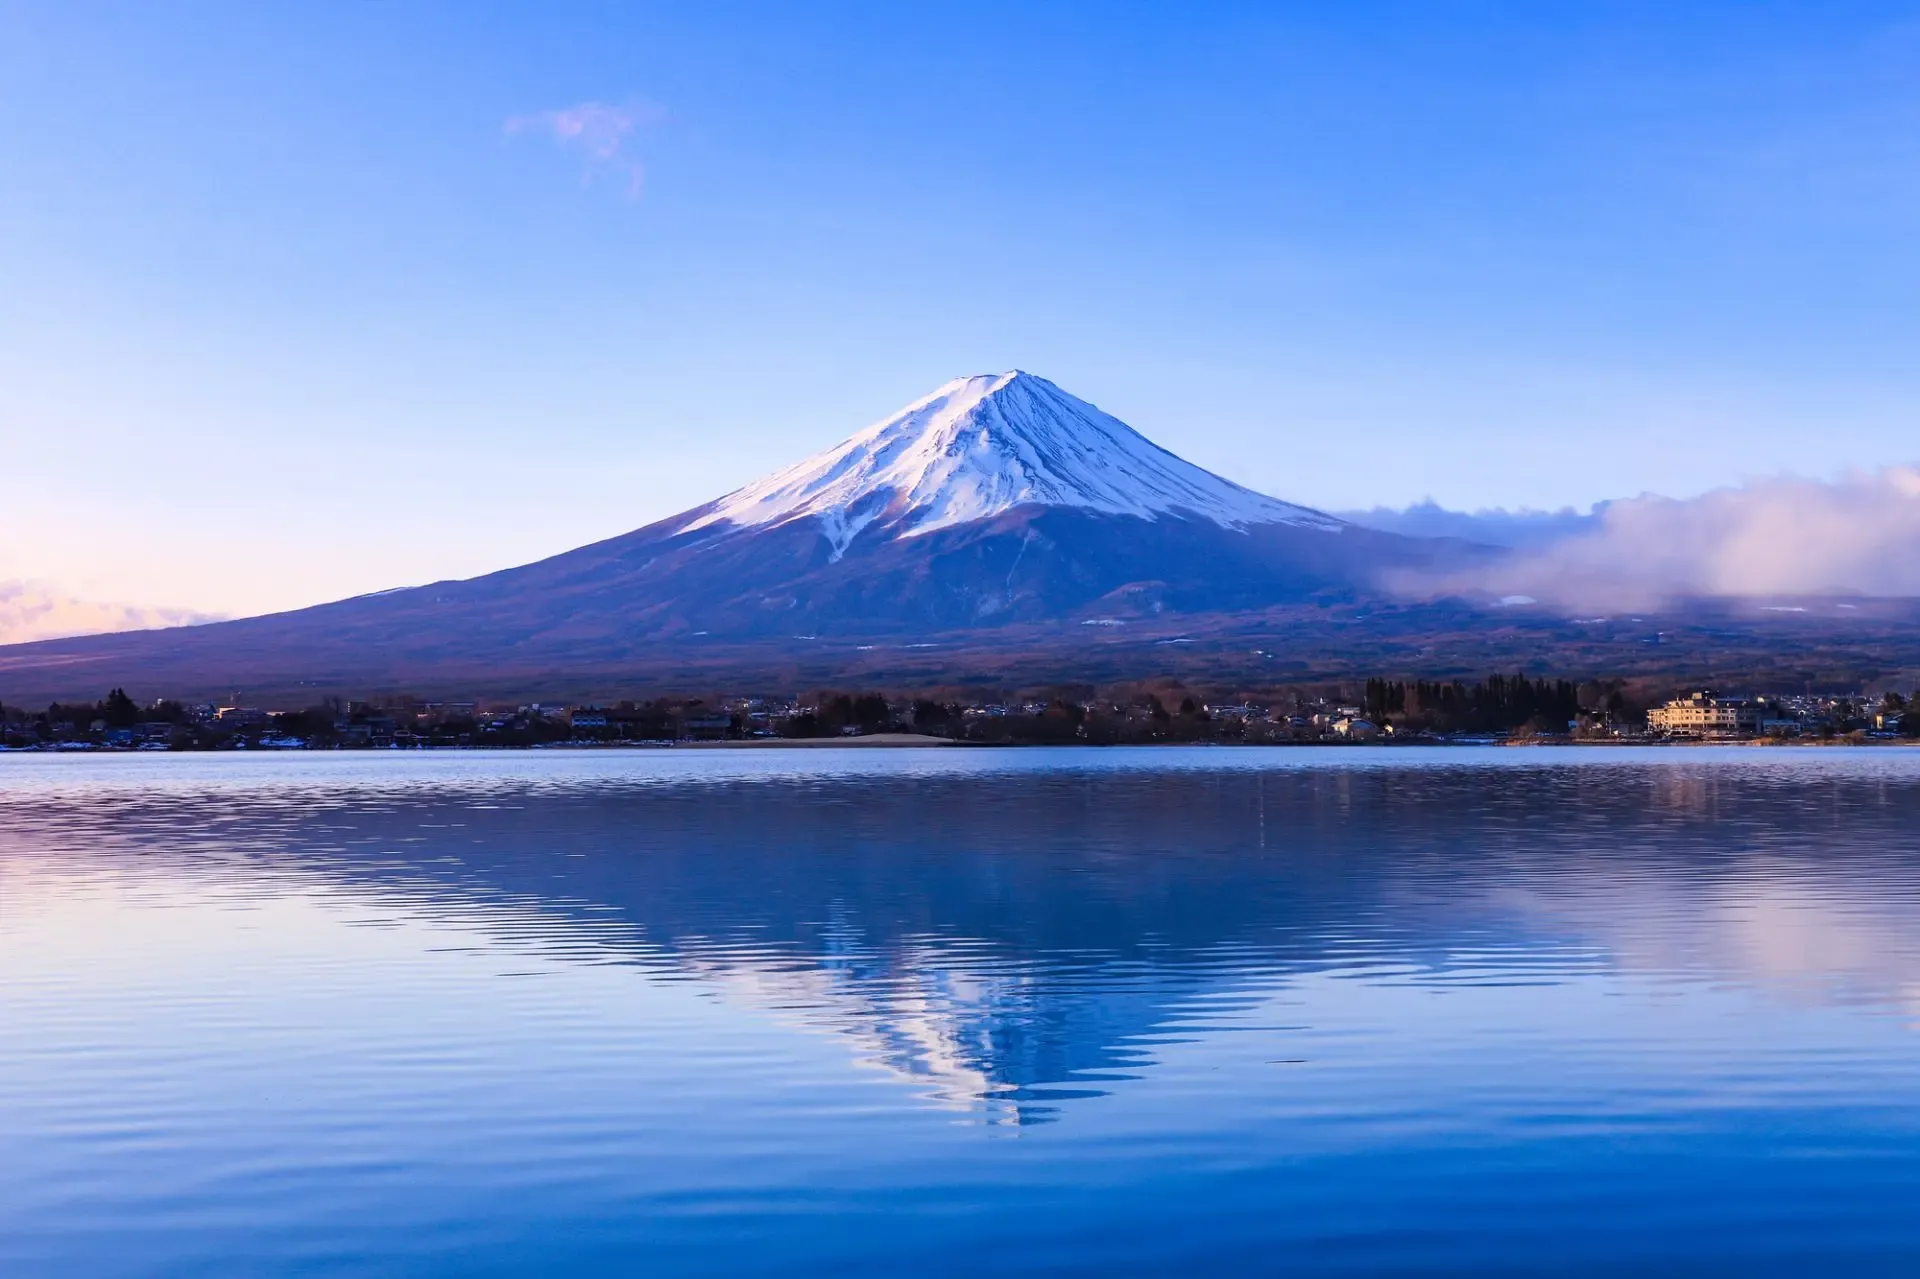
944	1012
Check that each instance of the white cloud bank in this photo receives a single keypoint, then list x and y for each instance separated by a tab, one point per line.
1777	537
36	611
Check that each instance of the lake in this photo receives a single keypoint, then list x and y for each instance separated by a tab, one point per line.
835	1012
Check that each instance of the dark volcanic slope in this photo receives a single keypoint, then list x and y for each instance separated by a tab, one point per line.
657	601
284	660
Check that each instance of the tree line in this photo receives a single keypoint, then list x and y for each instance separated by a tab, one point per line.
1498	704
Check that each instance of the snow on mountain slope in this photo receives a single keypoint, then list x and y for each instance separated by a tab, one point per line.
985	444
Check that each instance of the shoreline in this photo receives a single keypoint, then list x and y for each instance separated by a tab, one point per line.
895	741
917	741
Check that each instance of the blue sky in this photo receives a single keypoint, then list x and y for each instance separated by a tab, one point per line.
300	301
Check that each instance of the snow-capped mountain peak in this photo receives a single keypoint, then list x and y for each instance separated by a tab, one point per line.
981	445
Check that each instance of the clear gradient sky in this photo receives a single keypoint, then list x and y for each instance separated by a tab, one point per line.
298	301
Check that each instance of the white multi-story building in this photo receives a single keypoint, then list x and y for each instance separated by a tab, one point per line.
1704	715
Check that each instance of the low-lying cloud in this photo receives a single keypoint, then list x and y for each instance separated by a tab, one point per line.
1771	538
36	611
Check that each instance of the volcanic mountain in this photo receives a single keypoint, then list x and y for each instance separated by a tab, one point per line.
996	501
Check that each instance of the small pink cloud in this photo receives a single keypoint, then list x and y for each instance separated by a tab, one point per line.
32	610
599	131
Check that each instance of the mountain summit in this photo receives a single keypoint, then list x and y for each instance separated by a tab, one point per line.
983	445
998	503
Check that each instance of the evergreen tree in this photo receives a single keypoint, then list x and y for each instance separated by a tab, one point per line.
119	710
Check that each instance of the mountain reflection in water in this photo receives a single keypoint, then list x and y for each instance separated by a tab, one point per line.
1018	932
1184	1011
